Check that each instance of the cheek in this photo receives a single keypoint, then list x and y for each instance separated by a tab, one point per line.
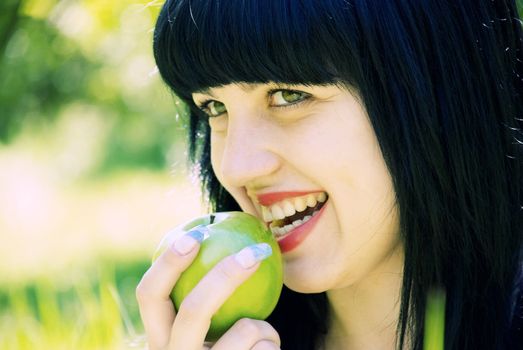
349	152
339	148
216	156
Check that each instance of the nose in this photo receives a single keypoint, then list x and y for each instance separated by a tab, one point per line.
248	153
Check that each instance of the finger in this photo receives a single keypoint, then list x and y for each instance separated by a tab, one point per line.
195	312
153	291
265	345
246	333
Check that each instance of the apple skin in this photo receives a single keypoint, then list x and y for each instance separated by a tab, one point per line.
228	233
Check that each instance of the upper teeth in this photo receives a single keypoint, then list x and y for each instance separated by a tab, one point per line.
290	206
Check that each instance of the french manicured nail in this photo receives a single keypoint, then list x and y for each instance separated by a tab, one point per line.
185	244
249	256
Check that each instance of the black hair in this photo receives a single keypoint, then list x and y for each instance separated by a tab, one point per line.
441	81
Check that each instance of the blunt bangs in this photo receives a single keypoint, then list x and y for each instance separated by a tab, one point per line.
200	44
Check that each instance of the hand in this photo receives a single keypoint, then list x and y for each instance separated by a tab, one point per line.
186	330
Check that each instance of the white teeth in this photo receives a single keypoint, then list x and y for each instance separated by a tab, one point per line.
311	200
300	204
277	212
288	208
267	216
281	231
297	223
288	228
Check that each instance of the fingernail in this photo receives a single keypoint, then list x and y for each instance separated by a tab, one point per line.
185	244
249	256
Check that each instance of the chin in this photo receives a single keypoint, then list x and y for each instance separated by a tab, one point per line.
304	284
304	288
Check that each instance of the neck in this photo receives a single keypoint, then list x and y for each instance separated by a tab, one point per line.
365	315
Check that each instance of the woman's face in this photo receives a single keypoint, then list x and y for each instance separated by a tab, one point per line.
283	151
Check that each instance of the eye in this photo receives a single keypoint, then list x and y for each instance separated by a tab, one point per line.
282	98
213	108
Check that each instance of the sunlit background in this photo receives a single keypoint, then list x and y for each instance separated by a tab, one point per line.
92	170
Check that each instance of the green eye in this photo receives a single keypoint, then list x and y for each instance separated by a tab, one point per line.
286	97
212	108
215	108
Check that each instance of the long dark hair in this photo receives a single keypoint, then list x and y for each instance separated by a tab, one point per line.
441	81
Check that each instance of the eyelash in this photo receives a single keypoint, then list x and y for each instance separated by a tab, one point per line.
204	106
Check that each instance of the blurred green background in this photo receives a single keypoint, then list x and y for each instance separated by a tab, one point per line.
92	170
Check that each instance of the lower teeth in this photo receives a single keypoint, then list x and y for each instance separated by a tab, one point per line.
282	231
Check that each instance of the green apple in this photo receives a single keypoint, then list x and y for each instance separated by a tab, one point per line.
226	234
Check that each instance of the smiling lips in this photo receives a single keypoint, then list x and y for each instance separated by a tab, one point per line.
291	215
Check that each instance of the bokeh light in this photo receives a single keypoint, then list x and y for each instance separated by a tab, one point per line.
93	170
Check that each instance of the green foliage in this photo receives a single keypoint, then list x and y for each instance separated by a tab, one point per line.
94	311
41	72
8	21
58	55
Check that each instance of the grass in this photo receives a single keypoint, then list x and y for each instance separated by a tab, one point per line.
74	248
434	338
96	309
93	310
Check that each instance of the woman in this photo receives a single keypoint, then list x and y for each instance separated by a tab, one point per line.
404	116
